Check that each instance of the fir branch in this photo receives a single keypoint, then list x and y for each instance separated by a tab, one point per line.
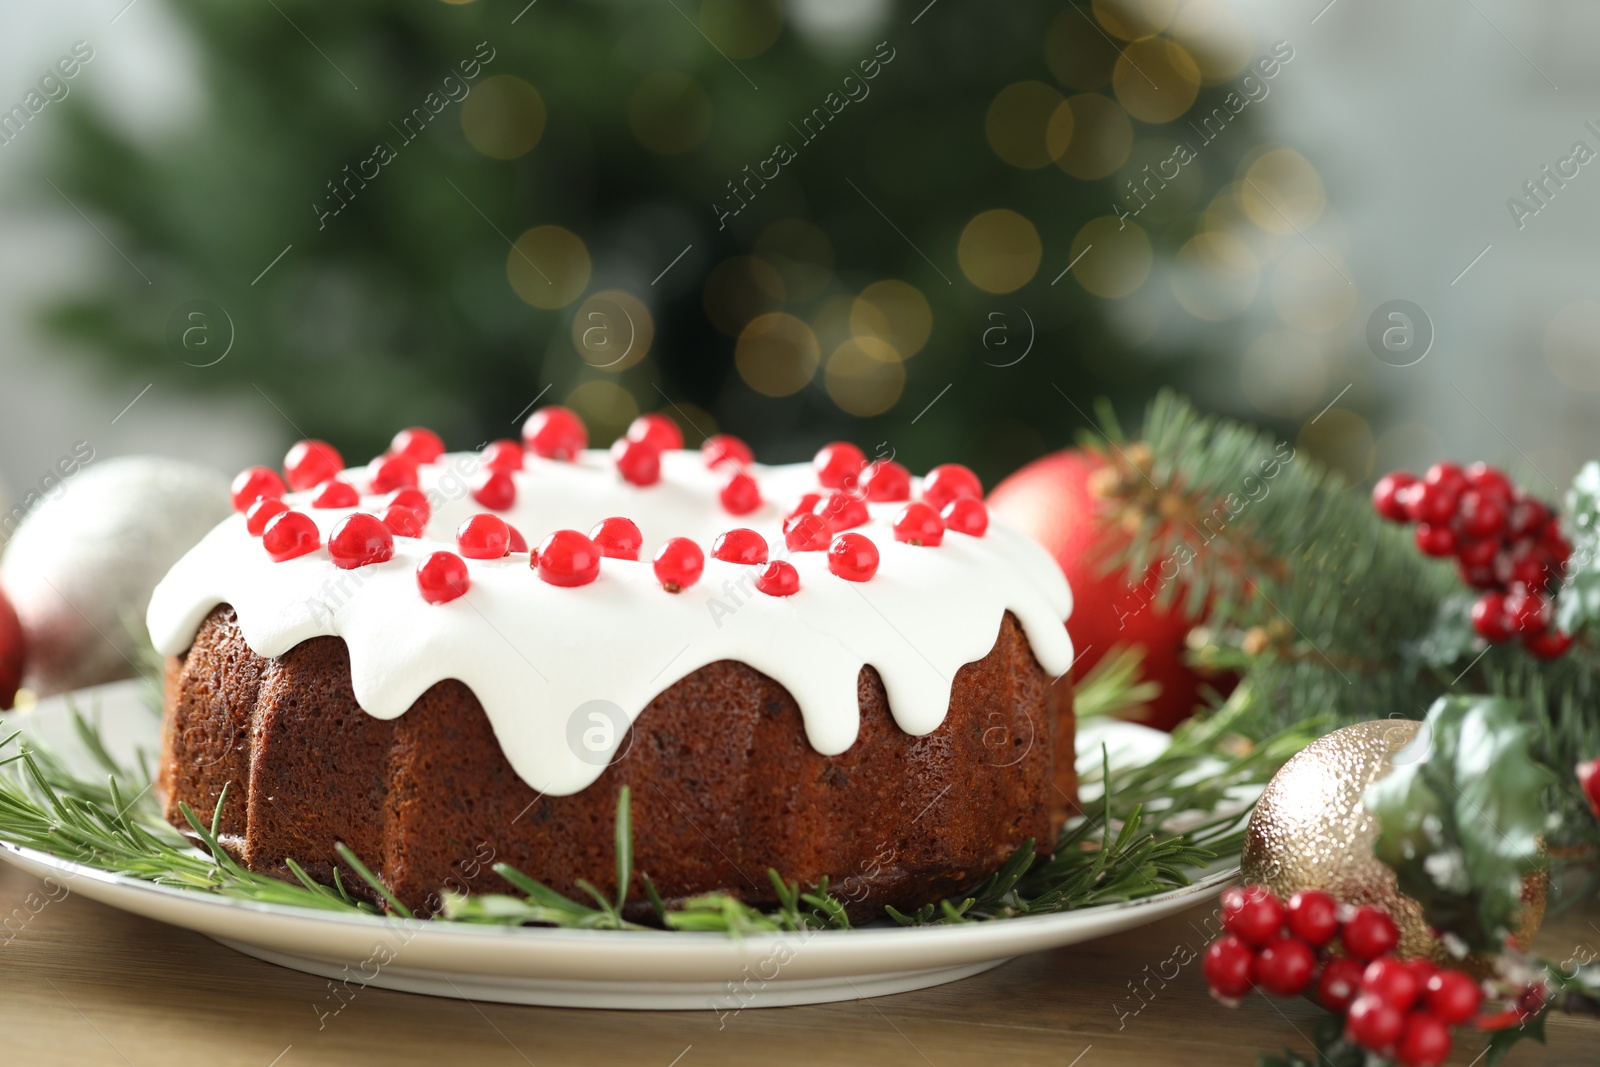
1115	687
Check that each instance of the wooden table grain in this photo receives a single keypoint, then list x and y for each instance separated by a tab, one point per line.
87	984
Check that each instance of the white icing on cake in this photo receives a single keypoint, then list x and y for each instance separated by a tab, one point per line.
536	654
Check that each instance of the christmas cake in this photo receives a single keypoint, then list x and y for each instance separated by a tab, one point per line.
450	660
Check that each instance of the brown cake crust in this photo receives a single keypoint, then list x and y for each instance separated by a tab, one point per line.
429	801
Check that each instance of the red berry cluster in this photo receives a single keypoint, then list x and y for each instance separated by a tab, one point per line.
1504	542
1392	1007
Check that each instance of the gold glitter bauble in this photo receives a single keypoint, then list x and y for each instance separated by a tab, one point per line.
1311	830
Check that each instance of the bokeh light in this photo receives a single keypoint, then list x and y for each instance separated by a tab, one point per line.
1284	374
893	311
1572	345
1215	276
1340	440
548	266
777	354
1133	19
1017	121
740	288
1089	136
1310	292
1282	192
801	254
669	112
864	376
1113	256
1156	80
742	29
1077	52
605	407
1217	35
503	117
612	330
999	251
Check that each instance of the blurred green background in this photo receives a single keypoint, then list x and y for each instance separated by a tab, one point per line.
551	226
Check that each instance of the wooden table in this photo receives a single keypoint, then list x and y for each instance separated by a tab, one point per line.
86	984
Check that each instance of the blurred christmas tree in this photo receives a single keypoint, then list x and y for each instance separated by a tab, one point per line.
787	221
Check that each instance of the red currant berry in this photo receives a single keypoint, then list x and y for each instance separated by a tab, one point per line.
806	533
1372	1024
1339	983
1452	996
639	462
853	557
1557	548
403	521
1446	476
253	483
1285	966
948	482
495	490
1478	553
391	471
1589	780
1481	514
335	493
1313	916
1552	644
1487	479
657	431
1479	577
1253	913
503	456
310	463
1425	1041
1229	966
678	564
555	433
808	503
838	465
261	513
567	558
442	577
1528	517
1435	539
722	448
1385	495
740	495
517	542
740	546
618	538
1393	981
844	511
919	524
1422	970
483	537
289	534
885	481
360	540
1489	617
778	579
966	515
1530	571
1370	933
418	445
1526	612
415	499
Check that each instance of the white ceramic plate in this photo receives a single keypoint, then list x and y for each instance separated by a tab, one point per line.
581	968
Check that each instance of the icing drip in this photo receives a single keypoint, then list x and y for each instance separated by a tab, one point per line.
538	657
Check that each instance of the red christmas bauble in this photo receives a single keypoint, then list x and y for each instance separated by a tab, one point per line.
13	653
1049	500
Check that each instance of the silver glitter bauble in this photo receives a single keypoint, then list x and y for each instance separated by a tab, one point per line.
80	568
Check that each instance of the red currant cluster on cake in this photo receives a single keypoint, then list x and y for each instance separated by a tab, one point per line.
951	499
1506	543
1343	958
